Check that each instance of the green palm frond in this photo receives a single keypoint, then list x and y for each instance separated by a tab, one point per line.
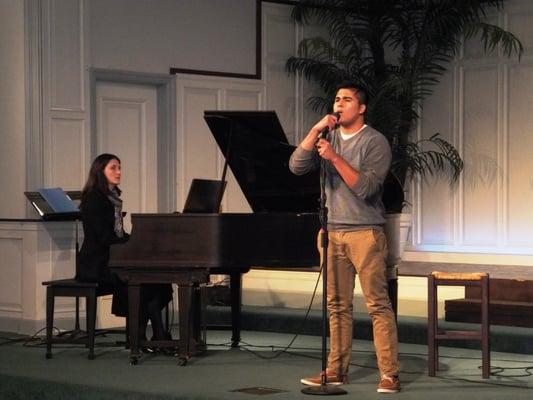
492	36
424	35
425	161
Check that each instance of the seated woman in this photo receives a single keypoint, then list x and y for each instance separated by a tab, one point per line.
101	212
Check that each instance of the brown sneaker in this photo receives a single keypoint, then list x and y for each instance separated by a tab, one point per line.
389	384
332	379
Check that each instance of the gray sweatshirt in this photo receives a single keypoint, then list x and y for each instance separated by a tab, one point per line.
358	207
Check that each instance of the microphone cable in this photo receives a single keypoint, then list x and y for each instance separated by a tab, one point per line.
298	331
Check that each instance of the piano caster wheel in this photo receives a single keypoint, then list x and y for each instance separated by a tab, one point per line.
48	356
134	360
182	361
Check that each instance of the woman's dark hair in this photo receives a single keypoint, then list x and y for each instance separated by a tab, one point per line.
97	179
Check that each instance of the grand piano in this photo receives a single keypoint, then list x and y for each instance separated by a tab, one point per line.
186	248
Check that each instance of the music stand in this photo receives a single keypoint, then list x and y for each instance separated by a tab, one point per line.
57	205
204	196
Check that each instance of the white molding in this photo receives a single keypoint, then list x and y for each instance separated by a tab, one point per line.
502	156
458	140
33	10
470	256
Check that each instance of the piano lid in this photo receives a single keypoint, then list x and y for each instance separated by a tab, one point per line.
258	154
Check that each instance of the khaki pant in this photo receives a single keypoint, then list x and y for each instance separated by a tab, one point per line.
362	252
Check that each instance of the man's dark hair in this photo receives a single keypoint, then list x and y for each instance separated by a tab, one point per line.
359	91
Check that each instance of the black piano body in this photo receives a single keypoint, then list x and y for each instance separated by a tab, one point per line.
186	248
224	240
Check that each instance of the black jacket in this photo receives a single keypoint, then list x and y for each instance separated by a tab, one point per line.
97	214
98	217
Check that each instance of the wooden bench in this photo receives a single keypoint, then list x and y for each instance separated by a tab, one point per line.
511	305
511	292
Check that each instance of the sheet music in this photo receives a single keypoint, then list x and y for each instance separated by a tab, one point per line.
58	200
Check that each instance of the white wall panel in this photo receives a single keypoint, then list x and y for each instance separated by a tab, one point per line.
279	32
482	167
66	141
281	87
66	55
279	43
490	101
33	252
519	23
11	249
435	202
199	154
58	150
127	127
61	253
243	100
53	247
473	48
520	156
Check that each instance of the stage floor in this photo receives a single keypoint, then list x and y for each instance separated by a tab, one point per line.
223	371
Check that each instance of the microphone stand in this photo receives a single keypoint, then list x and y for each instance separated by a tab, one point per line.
324	389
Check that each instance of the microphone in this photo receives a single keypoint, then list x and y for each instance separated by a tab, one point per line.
325	131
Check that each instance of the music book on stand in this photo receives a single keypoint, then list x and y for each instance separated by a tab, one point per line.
54	204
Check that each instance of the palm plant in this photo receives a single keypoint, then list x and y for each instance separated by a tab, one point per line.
398	51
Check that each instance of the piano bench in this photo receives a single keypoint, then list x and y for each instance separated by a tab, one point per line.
77	289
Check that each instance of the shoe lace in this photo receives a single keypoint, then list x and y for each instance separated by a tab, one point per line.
391	379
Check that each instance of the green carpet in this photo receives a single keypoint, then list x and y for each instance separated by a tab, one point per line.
26	374
410	329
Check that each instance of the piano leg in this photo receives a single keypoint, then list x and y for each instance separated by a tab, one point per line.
134	301
236	292
197	343
185	293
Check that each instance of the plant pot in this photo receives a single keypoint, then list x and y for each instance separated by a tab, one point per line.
397	229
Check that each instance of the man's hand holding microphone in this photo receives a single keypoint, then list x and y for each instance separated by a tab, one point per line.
324	126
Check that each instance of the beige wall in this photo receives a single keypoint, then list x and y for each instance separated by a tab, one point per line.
12	109
195	34
483	106
47	48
